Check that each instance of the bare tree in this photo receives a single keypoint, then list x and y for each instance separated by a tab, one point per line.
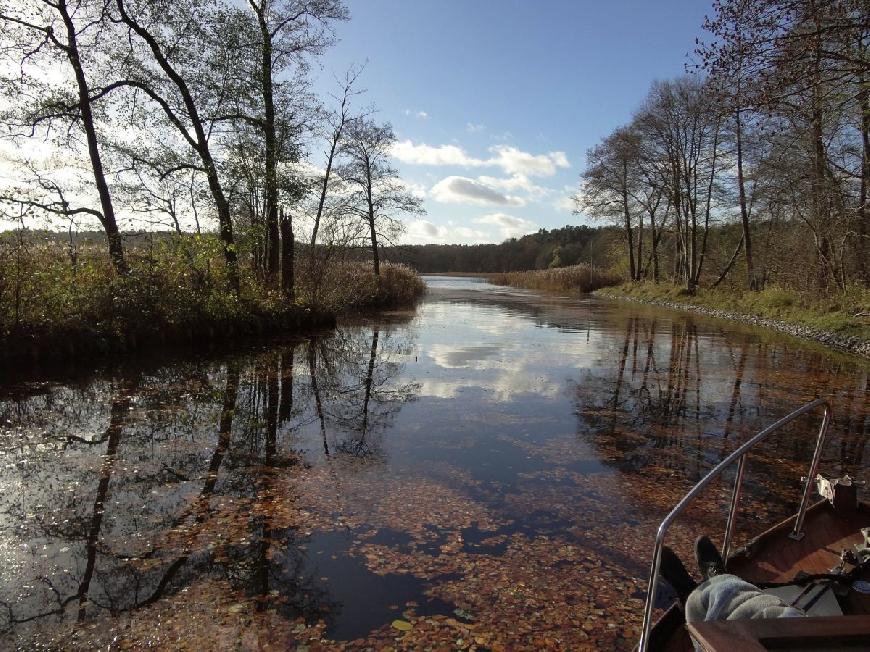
682	128
186	89
287	30
337	121
44	32
379	195
609	184
803	64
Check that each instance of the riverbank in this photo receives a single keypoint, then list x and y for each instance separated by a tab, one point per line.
841	326
61	307
77	343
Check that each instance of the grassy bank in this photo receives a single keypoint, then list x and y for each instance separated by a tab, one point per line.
574	279
845	314
57	303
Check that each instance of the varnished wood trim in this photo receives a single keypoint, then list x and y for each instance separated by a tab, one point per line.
770	634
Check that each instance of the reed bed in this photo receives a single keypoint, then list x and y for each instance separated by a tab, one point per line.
351	286
578	279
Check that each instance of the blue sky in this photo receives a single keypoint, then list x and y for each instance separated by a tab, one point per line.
495	103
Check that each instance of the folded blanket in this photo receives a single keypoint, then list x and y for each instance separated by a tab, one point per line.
727	597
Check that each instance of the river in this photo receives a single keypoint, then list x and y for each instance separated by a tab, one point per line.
485	471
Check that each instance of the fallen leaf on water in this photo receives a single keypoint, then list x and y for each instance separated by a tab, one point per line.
402	625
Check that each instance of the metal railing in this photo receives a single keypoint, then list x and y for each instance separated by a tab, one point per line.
738	454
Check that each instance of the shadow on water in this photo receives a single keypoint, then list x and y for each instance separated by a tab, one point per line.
346	579
499	454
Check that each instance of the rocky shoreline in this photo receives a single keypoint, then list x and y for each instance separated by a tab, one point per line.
849	344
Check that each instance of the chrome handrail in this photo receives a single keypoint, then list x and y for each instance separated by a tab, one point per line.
739	453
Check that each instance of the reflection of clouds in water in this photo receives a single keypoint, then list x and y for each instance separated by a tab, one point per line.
441	388
517	358
467	320
502	387
509	386
463	357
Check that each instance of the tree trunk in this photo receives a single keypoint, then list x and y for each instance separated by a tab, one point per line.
323	187
269	135
627	217
863	227
199	142
656	235
680	241
376	262
703	253
288	278
640	247
110	225
225	225
821	206
373	233
751	281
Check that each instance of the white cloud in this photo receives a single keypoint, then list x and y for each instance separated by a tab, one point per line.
514	183
420	115
448	356
423	231
473	127
407	152
565	204
462	190
416	189
512	160
516	161
510	226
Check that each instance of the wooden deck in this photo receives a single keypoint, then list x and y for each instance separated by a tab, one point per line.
774	557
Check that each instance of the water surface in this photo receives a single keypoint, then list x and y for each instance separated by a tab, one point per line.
485	471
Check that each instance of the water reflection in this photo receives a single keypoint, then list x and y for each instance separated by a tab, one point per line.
677	401
120	492
494	457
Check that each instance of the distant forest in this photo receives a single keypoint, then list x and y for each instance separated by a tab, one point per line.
556	248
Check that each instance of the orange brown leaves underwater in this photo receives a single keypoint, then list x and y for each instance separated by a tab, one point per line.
488	475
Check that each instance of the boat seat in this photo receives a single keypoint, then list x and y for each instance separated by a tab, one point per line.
815	599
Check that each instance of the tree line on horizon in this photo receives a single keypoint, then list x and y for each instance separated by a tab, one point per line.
768	131
569	245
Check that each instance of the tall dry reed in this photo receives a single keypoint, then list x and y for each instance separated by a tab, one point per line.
576	278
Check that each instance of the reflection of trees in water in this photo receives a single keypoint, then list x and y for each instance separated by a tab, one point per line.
682	401
357	395
648	400
112	480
